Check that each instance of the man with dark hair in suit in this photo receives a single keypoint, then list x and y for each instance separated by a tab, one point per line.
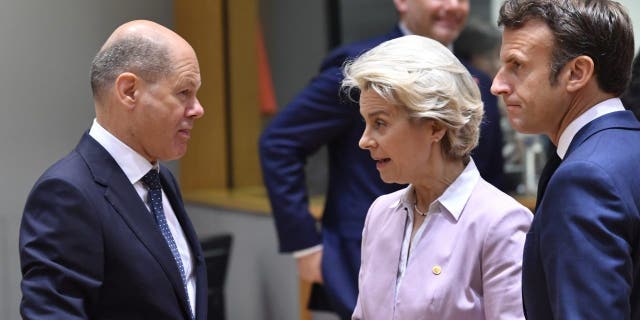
320	115
565	63
104	232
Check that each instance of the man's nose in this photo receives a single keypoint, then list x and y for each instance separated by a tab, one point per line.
499	86
197	110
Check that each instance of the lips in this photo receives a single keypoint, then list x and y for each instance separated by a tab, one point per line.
453	24
512	106
186	133
380	163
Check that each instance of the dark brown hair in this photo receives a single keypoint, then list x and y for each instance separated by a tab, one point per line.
599	29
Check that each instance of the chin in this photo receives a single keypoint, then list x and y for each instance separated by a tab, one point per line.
173	156
388	180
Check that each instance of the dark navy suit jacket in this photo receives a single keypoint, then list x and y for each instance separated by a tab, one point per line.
582	253
90	249
321	115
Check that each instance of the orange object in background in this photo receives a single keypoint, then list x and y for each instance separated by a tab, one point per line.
267	98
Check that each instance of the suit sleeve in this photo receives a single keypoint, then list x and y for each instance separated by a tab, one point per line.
60	252
314	118
584	245
502	265
488	154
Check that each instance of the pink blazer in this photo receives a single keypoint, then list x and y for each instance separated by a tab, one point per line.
465	268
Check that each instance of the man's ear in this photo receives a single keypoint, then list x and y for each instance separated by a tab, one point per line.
127	85
401	5
580	71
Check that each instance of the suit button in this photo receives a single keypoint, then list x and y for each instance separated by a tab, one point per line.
436	270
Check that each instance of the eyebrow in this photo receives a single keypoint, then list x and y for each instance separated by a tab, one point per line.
188	81
376	113
511	57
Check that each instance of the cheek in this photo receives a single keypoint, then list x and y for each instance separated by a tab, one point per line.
413	152
464	10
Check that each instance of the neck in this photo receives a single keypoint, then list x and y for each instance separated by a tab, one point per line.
578	105
436	184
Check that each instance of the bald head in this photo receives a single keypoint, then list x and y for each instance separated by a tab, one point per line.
141	47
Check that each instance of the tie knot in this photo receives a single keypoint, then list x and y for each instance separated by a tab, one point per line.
152	180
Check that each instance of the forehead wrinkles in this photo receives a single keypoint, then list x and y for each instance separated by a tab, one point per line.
187	71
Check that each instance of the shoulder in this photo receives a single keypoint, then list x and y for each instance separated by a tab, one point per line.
590	181
486	197
72	168
340	55
607	155
64	200
64	188
390	200
386	203
498	210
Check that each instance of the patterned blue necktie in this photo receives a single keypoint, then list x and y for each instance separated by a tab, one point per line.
152	181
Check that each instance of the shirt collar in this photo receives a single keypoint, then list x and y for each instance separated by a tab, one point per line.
403	28
455	197
132	163
597	111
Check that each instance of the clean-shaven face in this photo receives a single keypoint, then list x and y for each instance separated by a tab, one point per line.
168	109
441	20
400	146
533	104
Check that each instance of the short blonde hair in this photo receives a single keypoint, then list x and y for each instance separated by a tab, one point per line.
423	76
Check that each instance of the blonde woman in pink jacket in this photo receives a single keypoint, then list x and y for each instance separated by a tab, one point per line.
449	246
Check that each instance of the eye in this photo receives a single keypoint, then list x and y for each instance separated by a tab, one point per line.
516	65
185	93
379	123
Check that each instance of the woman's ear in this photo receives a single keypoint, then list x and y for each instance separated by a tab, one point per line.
438	130
580	71
127	84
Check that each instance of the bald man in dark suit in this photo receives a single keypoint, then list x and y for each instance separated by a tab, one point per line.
104	233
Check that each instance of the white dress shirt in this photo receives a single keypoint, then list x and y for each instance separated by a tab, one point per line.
135	167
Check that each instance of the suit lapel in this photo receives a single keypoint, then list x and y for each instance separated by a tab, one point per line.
124	199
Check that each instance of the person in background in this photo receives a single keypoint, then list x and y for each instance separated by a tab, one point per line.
581	256
328	254
448	246
104	232
479	45
631	97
